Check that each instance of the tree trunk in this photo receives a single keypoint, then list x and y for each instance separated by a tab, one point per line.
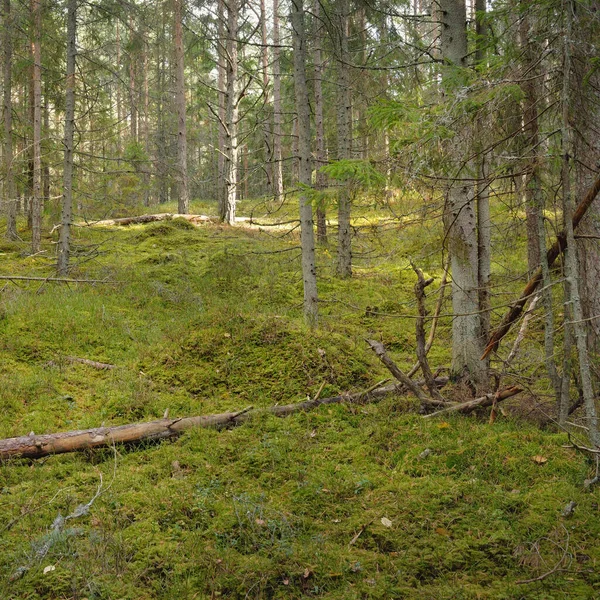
36	208
222	95
277	114
344	139
183	202
227	210
64	242
9	182
571	271
461	219
309	272
146	120
133	100
321	154
118	88
267	134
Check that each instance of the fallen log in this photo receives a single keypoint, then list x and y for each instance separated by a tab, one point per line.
37	446
83	361
471	405
53	279
552	254
124	221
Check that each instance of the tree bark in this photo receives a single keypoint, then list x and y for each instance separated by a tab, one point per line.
64	243
461	218
133	100
309	270
183	202
36	208
321	152
277	114
570	266
9	182
227	210
344	139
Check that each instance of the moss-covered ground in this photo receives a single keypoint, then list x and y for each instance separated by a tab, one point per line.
347	501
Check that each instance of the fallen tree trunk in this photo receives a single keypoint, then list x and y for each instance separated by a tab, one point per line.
84	361
553	253
37	446
124	221
471	405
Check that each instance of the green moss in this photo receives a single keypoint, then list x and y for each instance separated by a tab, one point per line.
205	319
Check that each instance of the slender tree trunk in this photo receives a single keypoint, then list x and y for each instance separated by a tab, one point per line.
133	100
36	208
461	219
64	244
267	134
484	219
161	136
222	95
231	114
321	155
182	175
533	197
571	271
309	272
344	141
277	114
46	133
9	182
145	120
118	89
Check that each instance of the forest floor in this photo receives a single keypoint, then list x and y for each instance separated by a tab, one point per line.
346	501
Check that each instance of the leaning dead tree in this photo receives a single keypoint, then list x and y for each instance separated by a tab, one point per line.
553	253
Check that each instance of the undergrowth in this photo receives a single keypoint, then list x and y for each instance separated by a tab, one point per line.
360	501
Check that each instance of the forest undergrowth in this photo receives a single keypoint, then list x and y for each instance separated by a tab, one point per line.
347	501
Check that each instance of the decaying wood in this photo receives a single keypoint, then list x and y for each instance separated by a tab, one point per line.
420	286
553	253
406	381
84	361
124	221
53	279
471	405
434	320
37	446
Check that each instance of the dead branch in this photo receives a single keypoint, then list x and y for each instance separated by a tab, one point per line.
553	253
487	400
420	286
434	320
557	566
393	368
522	330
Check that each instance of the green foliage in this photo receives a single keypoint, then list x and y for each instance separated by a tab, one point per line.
360	174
